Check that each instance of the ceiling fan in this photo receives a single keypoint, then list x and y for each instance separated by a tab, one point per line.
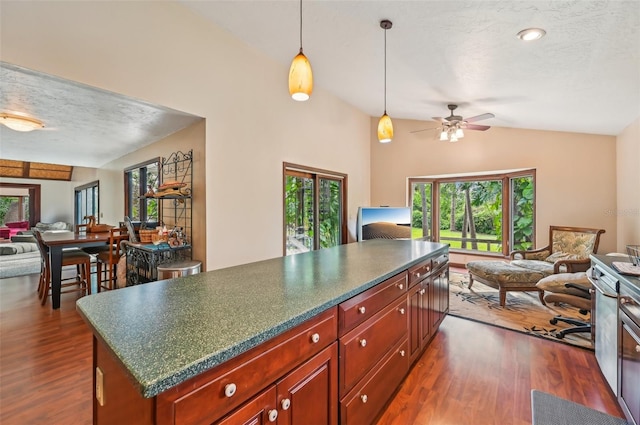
452	126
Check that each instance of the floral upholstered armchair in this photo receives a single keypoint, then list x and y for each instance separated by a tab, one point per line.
568	252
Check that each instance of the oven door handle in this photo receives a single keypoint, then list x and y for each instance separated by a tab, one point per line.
606	294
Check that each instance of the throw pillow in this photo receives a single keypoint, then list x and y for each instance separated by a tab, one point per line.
23	238
7	249
18	225
562	256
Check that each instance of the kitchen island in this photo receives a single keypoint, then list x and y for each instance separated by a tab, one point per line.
202	348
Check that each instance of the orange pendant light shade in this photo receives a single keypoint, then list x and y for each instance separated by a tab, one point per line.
300	78
385	129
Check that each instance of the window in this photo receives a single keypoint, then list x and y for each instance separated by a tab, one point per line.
490	213
14	208
86	202
314	208
138	180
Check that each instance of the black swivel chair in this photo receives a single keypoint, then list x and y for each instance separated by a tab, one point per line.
575	293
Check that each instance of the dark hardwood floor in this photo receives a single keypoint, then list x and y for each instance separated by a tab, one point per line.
471	373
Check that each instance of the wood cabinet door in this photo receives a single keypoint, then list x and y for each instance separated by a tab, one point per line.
309	394
415	315
427	309
260	410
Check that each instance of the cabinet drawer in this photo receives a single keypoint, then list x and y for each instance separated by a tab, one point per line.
361	307
363	347
419	272
209	396
364	403
439	262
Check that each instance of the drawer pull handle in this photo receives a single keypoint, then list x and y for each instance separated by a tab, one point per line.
273	415
363	342
401	286
401	311
361	310
364	398
315	338
285	403
638	348
423	291
418	274
402	353
230	390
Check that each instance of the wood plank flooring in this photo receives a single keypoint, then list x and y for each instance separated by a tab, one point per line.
471	373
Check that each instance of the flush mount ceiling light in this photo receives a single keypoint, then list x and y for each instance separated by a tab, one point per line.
531	34
19	122
385	126
300	75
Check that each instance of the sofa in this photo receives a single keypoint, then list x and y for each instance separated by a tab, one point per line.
21	256
13	228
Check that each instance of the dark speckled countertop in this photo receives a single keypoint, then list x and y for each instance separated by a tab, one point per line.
166	332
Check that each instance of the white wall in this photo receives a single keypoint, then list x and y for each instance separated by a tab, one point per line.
628	186
160	52
57	196
575	177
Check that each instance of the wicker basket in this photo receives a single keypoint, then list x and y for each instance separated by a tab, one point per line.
146	235
158	239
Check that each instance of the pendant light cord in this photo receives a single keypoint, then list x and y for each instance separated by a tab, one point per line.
385	71
300	26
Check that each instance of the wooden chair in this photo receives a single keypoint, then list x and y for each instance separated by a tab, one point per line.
567	252
76	258
110	258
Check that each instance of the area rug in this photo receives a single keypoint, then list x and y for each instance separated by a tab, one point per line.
523	311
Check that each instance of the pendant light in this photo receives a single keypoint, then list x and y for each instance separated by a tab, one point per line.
385	126
300	76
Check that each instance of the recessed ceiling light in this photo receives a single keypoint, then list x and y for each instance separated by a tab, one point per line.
531	34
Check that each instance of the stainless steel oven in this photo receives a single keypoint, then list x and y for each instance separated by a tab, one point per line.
605	320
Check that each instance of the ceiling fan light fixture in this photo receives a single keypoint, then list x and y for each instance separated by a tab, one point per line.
531	34
459	133
453	137
385	126
20	123
444	136
300	75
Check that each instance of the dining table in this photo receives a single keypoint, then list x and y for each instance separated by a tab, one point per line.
57	242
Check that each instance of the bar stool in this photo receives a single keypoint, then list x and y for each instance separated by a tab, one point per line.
178	269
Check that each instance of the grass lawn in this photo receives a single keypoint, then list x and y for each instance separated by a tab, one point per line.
444	234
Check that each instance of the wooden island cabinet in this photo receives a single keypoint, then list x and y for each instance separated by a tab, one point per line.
354	338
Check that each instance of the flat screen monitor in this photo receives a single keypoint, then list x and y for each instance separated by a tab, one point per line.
384	223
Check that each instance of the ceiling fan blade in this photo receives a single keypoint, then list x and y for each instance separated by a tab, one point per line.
480	117
424	129
477	127
439	119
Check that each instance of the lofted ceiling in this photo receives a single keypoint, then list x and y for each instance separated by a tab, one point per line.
584	76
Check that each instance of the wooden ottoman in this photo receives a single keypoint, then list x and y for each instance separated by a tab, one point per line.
505	277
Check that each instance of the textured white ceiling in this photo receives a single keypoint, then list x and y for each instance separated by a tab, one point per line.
584	76
84	126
